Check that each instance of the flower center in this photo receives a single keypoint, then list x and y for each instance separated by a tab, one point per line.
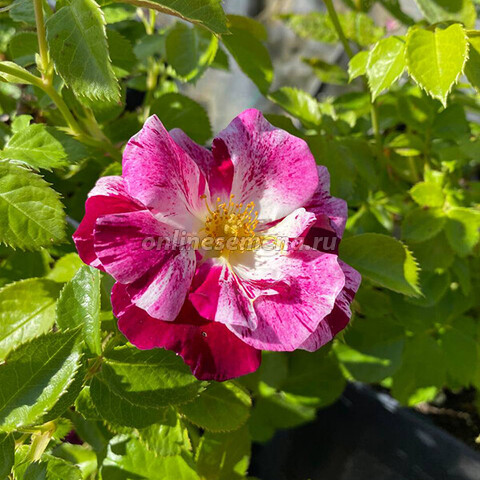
231	227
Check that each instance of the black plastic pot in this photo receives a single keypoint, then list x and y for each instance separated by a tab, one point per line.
365	436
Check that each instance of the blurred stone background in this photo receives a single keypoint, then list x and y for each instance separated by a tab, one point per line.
225	94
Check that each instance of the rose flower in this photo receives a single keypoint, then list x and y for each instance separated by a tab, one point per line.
251	276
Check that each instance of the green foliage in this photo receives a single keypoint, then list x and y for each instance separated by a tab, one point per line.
327	72
27	309
78	45
220	408
127	457
224	456
79	306
21	193
357	27
190	50
7	454
400	138
392	266
436	59
247	49
179	111
299	104
36	146
208	13
437	11
38	373
134	387
386	62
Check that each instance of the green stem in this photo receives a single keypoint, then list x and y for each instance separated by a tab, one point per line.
45	67
338	27
63	108
21	74
348	49
413	169
376	128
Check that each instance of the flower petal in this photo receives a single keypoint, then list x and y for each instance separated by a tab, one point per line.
311	281
218	169
162	176
290	232
341	314
208	348
162	290
206	289
107	197
331	212
272	168
119	243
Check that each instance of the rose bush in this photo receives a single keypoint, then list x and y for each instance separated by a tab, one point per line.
104	158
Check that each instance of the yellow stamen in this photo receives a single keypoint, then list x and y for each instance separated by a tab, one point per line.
232	221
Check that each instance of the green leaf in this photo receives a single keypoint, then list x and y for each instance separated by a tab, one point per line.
257	29
78	44
20	265
224	456
128	458
38	374
462	271
434	253
298	103
358	65
27	309
206	13
249	52
357	26
421	224
452	124
472	67
277	411
374	345
326	72
22	11
23	47
79	305
314	379
438	11
48	468
406	144
68	398
428	194
434	286
121	53
166	438
65	268
178	111
462	230
386	64
222	407
436	59
134	386
462	353
20	122
36	146
22	193
7	454
13	73
383	260
190	50
314	25
394	7
422	372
